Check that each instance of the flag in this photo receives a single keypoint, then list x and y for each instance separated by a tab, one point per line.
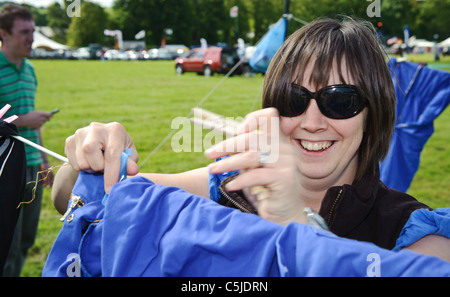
406	35
234	12
140	34
203	43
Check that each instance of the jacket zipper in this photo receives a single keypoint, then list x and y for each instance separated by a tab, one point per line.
75	202
240	207
333	207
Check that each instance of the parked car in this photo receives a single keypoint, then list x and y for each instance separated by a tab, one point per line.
176	50
111	54
208	61
82	53
143	55
159	54
40	53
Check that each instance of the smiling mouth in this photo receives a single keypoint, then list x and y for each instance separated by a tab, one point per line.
315	146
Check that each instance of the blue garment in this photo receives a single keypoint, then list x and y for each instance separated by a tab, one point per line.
422	95
152	230
268	46
215	180
424	222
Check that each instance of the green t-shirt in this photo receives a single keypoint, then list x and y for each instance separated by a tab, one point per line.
18	88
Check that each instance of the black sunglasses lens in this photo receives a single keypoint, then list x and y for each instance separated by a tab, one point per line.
340	103
296	103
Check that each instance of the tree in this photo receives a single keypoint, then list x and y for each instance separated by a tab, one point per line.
265	13
396	14
58	20
433	18
132	16
89	27
190	20
239	27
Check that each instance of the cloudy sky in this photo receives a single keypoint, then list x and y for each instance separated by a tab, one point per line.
38	3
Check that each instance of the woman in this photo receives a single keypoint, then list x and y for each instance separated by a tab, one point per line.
330	89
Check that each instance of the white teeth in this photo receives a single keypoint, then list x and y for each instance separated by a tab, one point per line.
316	146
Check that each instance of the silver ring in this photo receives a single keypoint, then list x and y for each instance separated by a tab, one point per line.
263	157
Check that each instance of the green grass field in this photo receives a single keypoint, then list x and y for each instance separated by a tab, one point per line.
145	97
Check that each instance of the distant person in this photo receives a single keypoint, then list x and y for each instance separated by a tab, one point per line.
18	88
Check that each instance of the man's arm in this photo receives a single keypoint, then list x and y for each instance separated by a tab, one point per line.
34	119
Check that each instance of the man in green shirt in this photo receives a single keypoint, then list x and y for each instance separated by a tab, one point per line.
18	87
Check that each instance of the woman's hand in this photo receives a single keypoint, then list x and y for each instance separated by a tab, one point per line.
99	147
272	184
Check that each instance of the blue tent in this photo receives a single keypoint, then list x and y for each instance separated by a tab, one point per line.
268	46
422	95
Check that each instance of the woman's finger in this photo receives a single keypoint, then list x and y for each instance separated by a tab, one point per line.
259	120
240	161
116	142
90	150
237	144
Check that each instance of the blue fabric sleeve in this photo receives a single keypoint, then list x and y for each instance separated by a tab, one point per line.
424	222
215	180
152	230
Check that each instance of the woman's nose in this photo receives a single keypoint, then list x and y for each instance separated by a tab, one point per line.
312	119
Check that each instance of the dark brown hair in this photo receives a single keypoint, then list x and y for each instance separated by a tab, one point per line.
353	42
10	13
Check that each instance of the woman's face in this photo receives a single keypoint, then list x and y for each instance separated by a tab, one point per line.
327	148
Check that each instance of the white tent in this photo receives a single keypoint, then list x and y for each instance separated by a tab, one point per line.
41	41
421	43
445	43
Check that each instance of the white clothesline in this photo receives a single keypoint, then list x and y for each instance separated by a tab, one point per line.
41	148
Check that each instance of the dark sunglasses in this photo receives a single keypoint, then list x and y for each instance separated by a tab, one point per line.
335	101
